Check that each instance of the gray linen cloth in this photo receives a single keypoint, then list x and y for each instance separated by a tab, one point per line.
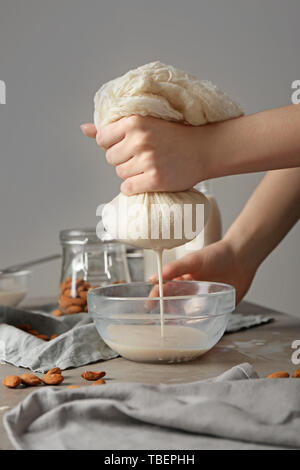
235	407
78	343
238	322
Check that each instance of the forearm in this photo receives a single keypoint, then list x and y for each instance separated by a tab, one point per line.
267	140
269	214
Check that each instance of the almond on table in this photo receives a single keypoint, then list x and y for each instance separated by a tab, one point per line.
12	381
30	379
54	370
91	375
279	375
53	379
99	382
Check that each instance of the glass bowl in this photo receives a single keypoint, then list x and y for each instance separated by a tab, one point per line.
14	287
128	318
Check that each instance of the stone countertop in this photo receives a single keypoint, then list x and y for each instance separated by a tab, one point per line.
267	347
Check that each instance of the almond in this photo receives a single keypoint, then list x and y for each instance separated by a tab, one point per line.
57	312
12	381
74	309
83	294
81	288
85	284
91	375
33	332
68	293
63	302
54	370
67	301
44	337
296	374
278	375
73	386
53	379
78	299
30	379
24	326
99	382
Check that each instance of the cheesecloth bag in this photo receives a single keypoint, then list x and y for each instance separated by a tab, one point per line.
164	92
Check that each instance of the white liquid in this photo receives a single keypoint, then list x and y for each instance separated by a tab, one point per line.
161	290
150	261
144	342
12	297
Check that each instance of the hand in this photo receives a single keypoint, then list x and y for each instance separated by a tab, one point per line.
155	155
217	262
151	154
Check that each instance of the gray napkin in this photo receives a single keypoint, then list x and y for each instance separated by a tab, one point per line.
78	342
135	416
238	322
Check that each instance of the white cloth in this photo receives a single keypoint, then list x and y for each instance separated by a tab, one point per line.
165	92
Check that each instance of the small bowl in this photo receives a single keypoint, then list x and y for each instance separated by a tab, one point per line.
14	287
128	318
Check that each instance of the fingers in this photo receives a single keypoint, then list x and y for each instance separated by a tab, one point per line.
111	134
136	184
130	168
184	277
168	291
177	268
181	268
119	153
89	130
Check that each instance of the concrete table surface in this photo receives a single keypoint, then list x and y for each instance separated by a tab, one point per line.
267	347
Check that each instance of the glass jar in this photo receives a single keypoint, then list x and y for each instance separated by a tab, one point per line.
88	262
213	228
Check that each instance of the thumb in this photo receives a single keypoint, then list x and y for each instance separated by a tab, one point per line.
89	130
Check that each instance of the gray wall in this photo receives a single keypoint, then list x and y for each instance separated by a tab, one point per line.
55	55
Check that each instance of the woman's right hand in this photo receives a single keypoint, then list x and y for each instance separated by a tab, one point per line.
217	262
